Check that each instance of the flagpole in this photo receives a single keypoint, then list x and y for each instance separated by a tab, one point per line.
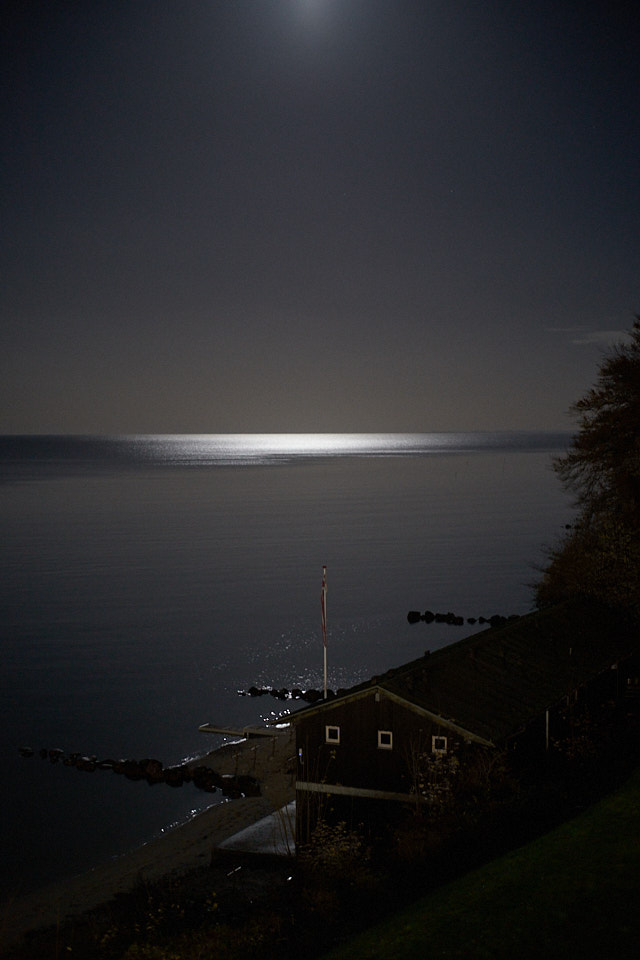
323	600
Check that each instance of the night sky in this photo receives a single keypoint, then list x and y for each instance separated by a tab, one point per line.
314	215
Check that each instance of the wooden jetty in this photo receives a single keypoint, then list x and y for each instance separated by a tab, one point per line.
246	732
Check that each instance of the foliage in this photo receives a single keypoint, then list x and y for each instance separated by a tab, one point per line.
222	942
603	464
436	781
599	560
180	917
600	555
443	784
452	793
579	745
335	852
335	861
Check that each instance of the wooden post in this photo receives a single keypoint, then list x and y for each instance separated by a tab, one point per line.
546	730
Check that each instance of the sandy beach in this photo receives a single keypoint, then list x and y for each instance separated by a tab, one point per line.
271	760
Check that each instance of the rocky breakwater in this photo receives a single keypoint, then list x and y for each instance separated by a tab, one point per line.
282	693
455	620
153	772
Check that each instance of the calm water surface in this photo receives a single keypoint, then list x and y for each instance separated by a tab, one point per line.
146	580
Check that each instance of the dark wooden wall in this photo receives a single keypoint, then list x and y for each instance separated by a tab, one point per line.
357	761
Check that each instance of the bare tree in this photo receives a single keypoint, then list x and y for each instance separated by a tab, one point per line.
600	555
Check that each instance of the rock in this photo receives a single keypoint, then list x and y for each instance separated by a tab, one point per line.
229	787
131	769
173	776
454	620
152	770
312	696
207	779
86	764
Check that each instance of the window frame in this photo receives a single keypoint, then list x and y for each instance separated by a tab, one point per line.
439	751
385	746
331	739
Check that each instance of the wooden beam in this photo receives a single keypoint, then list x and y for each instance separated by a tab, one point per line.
337	789
436	718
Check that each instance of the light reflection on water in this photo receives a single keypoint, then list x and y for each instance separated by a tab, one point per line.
263	448
17	453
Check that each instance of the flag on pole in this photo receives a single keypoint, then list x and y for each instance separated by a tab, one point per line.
323	602
323	605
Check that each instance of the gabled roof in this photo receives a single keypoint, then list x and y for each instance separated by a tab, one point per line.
494	683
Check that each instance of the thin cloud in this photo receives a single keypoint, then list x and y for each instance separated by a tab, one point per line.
582	336
563	329
608	338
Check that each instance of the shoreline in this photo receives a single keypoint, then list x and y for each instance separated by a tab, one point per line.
182	848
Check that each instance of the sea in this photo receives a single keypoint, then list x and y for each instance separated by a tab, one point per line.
147	582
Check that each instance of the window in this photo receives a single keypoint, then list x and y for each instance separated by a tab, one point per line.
438	745
332	734
385	740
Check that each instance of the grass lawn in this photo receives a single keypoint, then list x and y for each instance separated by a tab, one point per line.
572	893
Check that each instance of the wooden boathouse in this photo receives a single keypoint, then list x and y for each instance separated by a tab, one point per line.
507	687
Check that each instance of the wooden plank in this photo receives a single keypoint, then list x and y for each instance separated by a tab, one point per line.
337	789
